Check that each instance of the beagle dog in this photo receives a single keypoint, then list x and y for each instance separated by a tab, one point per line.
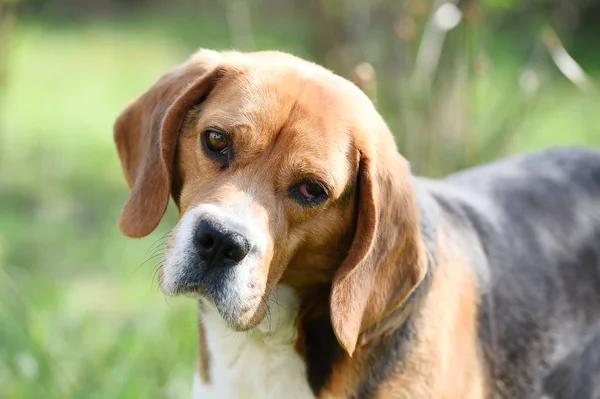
324	269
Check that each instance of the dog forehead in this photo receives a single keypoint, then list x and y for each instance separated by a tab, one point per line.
281	76
300	93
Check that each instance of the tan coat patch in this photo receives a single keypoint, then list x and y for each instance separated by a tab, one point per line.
443	362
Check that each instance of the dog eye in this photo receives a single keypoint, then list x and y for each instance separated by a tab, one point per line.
309	193
217	145
311	190
217	141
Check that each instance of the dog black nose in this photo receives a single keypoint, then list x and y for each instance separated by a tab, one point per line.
219	246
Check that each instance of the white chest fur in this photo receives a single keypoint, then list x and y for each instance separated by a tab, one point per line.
261	363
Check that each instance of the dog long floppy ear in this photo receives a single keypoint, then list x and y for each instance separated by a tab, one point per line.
146	136
387	259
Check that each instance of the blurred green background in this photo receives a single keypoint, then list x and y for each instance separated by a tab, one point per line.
460	82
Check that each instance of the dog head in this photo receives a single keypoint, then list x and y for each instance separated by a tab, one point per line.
282	171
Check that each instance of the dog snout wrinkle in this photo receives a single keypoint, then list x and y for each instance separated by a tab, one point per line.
219	246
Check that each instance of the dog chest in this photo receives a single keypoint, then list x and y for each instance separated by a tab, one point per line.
261	363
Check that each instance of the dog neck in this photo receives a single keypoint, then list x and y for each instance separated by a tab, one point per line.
259	363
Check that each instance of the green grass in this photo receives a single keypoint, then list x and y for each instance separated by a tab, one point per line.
558	113
80	314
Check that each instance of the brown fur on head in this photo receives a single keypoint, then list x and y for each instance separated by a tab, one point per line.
288	122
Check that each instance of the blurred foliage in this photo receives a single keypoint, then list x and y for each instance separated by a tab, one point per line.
80	314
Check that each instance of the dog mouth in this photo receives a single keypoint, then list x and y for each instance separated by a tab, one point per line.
237	318
195	290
